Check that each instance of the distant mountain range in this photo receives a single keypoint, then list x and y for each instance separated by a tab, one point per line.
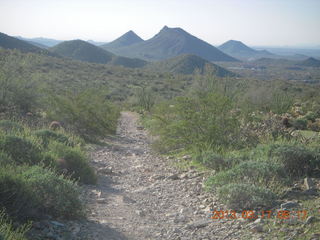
44	42
187	64
239	50
8	42
168	43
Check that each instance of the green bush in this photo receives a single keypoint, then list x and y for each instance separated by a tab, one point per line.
311	116
8	126
198	122
5	159
250	172
32	192
8	232
15	195
76	162
46	135
296	159
88	113
22	151
300	124
245	196
216	161
55	195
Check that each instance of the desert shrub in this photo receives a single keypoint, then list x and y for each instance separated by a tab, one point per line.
245	196
76	162
216	161
88	113
55	195
32	192
281	102
300	123
5	159
15	196
8	126
250	172
198	122
296	159
145	98
21	150
8	232
311	116
46	135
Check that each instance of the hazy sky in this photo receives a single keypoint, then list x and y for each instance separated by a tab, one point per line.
255	22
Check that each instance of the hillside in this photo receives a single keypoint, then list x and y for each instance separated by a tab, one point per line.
239	50
65	73
187	64
126	39
87	52
127	62
310	62
172	42
8	42
83	51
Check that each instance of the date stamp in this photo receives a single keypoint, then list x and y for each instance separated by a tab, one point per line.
252	214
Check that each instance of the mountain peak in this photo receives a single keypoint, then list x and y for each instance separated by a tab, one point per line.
165	28
126	39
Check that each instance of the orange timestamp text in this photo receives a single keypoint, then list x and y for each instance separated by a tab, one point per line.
252	214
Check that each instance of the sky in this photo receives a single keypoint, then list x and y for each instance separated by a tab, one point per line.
254	22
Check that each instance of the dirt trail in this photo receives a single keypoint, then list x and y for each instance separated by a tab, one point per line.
139	196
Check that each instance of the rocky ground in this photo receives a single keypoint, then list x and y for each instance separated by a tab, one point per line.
140	196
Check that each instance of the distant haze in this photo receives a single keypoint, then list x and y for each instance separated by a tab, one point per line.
294	23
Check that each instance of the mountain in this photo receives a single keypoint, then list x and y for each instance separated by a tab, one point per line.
83	51
48	42
171	42
96	43
87	52
8	42
187	64
239	50
126	39
310	62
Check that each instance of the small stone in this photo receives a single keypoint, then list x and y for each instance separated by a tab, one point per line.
199	224
257	221
308	183
58	224
173	177
140	213
289	204
183	175
176	230
186	157
105	170
257	228
101	200
310	219
128	200
180	219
